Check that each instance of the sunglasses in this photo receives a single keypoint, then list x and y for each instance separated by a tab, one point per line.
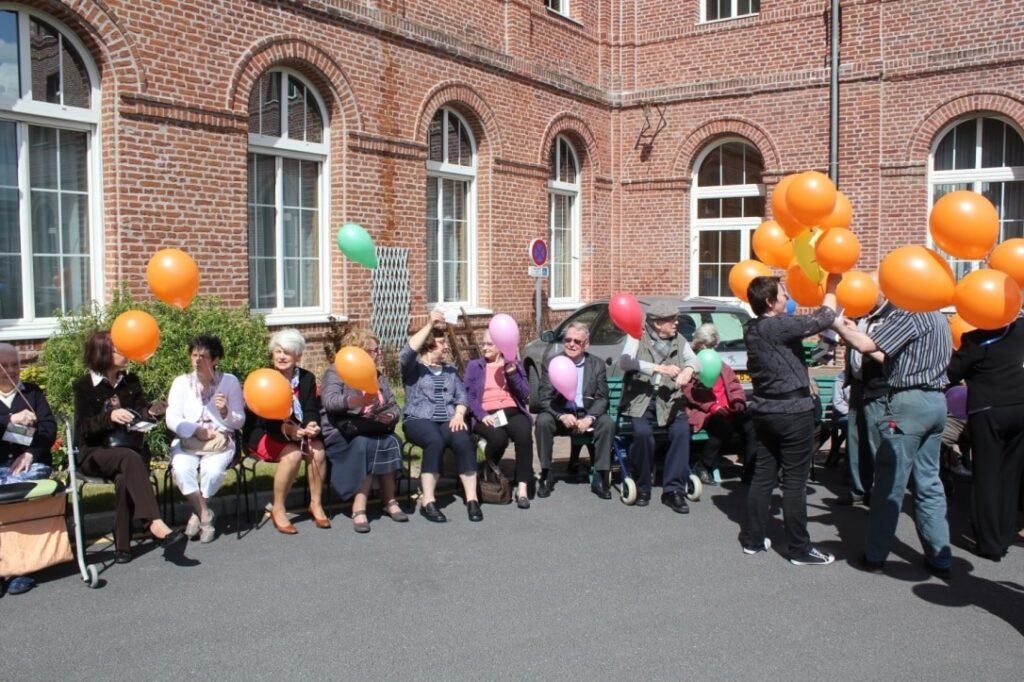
573	342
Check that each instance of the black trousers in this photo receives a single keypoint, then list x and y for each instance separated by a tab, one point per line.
786	442
135	497
997	443
720	429
520	431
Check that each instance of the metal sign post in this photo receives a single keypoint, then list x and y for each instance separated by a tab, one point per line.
539	271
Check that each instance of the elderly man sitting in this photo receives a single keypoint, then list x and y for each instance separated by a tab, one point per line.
27	432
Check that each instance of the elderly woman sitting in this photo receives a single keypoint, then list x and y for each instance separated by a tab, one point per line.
204	409
359	432
435	415
720	410
292	440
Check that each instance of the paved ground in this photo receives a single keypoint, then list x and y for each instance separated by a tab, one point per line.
573	588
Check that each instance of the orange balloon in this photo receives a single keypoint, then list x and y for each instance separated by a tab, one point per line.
856	294
173	277
810	197
772	245
1008	257
741	275
801	289
780	212
356	368
916	279
841	215
268	394
837	250
988	299
964	224
958	326
135	335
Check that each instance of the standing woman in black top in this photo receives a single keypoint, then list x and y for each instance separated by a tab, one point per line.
104	401
783	415
992	364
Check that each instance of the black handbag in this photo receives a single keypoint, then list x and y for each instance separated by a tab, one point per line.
361	426
122	437
495	488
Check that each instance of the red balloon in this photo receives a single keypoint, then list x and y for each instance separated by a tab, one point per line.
987	299
626	313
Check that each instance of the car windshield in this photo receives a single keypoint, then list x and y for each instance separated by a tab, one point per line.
728	324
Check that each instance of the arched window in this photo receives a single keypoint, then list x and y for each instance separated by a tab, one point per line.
451	209
986	155
288	190
564	222
51	240
727	206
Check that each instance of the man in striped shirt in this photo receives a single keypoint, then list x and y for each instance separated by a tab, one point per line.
915	349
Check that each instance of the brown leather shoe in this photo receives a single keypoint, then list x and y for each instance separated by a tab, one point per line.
324	523
287	529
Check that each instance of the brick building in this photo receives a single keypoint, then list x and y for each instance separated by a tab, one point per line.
640	138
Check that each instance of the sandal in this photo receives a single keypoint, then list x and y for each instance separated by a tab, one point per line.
394	510
360	527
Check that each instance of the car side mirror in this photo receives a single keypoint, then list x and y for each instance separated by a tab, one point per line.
548	337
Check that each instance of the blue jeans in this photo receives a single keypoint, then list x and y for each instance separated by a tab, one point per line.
910	430
862	441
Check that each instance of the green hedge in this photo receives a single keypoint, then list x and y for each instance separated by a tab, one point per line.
244	337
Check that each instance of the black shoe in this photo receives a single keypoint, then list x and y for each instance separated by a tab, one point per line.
544	487
853	499
705	476
473	510
599	488
171	539
676	501
940	572
643	498
870	566
122	557
523	502
991	556
430	512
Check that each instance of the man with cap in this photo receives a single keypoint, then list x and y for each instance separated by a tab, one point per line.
657	367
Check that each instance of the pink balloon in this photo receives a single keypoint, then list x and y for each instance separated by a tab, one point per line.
562	374
505	335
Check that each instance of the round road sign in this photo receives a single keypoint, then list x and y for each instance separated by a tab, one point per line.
539	252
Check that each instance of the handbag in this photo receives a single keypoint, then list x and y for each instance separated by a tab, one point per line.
197	446
495	488
122	437
362	426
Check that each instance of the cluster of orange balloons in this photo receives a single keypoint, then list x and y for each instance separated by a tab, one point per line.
965	225
809	238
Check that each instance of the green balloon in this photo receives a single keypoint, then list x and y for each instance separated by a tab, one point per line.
710	367
356	243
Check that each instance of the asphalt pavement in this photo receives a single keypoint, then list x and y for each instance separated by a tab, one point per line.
573	588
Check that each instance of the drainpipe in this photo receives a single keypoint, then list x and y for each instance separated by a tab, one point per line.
833	142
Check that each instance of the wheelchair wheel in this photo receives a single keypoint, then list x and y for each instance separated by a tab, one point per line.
694	488
94	579
628	491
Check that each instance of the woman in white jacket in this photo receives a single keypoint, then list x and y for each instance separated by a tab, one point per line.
204	409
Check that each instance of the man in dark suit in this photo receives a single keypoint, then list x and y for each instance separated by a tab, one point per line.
588	412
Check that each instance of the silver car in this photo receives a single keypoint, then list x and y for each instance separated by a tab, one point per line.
606	340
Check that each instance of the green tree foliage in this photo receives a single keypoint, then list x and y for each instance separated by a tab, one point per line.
243	335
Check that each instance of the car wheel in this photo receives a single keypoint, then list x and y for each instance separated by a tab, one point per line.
533	374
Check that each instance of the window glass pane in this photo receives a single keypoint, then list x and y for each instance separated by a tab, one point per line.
432	250
1012	215
270	104
732	163
290	181
710	170
709	209
43	157
308	193
75	86
992	131
296	110
753	166
10	225
314	119
753	207
452	153
261	176
8	154
561	246
732	207
553	163
1014	148
73	155
10	79
465	147
45	46
48	284
567	171
74	224
710	10
709	240
45	222
742	7
731	247
944	152
434	139
964	145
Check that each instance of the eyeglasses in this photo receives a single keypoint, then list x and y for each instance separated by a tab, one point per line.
373	351
573	342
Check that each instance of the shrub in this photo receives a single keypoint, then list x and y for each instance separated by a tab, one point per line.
244	337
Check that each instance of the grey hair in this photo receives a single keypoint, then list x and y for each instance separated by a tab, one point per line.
706	336
580	326
289	340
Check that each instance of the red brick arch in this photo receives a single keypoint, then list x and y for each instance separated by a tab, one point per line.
466	100
919	144
706	133
111	47
577	130
308	59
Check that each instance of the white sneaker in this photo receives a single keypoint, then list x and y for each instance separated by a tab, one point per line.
192	527
755	550
815	557
207	531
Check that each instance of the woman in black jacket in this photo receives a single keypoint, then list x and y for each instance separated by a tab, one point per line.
107	400
292	440
992	364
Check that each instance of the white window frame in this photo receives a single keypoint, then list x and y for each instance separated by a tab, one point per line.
734	5
443	170
281	148
570	189
24	111
973	177
562	9
745	225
